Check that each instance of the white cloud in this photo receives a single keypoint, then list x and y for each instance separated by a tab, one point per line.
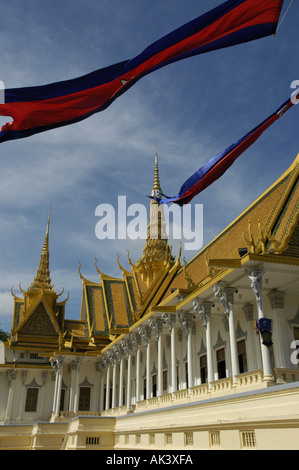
193	109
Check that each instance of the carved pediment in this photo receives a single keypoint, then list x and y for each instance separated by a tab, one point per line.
39	323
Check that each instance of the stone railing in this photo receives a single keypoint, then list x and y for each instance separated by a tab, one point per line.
222	385
247	381
250	379
67	415
286	375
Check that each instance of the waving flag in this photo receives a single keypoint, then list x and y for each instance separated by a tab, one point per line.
214	168
40	108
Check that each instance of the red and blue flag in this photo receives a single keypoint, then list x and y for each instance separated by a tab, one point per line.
217	166
40	108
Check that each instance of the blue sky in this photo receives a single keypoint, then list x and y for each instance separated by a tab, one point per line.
188	111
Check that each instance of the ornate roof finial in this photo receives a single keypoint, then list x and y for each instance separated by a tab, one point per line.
156	252
42	280
156	186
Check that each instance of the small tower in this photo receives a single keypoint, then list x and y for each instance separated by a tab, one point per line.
42	280
38	317
156	254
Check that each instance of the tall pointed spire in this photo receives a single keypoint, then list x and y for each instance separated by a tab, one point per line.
156	186
156	252
42	280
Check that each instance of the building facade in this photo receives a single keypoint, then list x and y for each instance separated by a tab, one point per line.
170	355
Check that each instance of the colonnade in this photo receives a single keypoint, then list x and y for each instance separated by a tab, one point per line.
159	325
120	365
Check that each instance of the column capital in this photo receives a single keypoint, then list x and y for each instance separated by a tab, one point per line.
76	363
156	326
169	319
126	347
189	318
203	310
99	366
57	363
182	319
117	353
11	375
229	293
224	296
133	341
138	340
207	306
248	310
255	276
44	377
276	298
23	376
143	335
105	362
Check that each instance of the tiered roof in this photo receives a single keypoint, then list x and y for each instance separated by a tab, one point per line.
268	229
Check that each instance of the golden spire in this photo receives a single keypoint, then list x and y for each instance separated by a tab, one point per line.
156	252
156	186
156	226
42	280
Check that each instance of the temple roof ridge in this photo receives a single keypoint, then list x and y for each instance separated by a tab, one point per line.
288	178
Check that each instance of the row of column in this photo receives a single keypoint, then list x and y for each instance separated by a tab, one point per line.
113	360
225	295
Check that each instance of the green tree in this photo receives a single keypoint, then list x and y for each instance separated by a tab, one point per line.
3	335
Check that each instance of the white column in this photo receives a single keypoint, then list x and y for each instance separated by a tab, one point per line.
117	357
121	382
280	339
138	363
204	312
114	385
43	391
189	350
76	394
148	364
99	368
226	298
11	376
107	404
252	350
159	323
129	387
170	319
72	385
229	292
173	355
209	351
54	365
102	383
57	366
59	362
185	320
145	335
22	398
255	276
160	367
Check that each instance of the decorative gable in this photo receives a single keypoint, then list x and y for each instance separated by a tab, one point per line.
38	324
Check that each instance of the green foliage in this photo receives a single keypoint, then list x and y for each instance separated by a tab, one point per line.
3	336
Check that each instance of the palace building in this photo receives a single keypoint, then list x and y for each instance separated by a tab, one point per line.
169	355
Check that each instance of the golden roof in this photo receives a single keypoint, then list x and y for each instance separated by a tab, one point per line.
268	226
